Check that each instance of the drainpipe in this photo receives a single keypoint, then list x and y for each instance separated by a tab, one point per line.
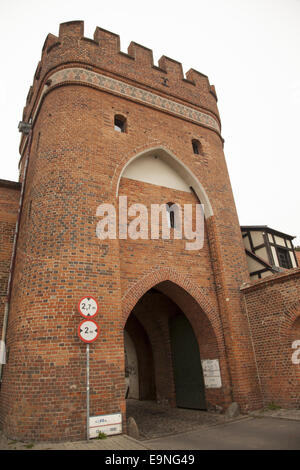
25	128
220	309
253	348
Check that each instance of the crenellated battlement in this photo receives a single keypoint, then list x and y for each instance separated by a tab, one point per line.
102	54
109	42
71	29
50	41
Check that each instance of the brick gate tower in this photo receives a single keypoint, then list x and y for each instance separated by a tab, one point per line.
98	124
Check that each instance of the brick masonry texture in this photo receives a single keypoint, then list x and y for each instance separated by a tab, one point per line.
75	163
9	204
274	312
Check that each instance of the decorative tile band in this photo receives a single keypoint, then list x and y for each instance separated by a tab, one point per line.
110	84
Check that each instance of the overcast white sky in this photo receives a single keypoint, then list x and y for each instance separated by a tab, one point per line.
248	48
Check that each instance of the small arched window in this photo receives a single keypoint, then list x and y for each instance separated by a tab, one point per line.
120	123
170	214
197	148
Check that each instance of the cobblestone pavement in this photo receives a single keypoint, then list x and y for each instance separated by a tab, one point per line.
155	420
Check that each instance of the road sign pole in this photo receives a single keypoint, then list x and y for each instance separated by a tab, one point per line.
88	331
87	392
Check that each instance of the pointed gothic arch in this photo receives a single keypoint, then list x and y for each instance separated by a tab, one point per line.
179	167
204	320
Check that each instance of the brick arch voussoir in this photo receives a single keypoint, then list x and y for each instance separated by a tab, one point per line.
133	295
289	319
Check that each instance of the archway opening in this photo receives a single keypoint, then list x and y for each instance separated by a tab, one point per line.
162	354
170	338
172	341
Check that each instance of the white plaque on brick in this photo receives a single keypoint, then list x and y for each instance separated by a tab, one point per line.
211	373
2	352
108	424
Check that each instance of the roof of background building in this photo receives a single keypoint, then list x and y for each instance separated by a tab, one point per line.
265	228
10	184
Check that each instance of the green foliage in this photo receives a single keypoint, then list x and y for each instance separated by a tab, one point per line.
272	406
29	446
101	435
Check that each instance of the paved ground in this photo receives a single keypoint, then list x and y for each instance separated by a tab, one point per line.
279	413
247	434
163	428
155	420
121	442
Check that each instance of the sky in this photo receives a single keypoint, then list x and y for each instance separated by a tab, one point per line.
249	49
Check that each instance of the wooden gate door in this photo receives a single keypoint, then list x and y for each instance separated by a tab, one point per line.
188	375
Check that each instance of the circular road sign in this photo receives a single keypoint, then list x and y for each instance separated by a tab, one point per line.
88	307
88	331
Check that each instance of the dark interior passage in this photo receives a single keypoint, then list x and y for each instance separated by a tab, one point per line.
162	354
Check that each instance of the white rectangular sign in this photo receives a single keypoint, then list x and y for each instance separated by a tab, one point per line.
211	373
108	424
2	352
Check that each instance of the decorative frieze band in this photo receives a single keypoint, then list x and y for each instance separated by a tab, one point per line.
116	86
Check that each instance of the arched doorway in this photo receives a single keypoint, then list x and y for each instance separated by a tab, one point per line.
131	368
139	373
171	334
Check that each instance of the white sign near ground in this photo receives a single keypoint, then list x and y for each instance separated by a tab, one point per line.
296	354
211	373
108	424
2	352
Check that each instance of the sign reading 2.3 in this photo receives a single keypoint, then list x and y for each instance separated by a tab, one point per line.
88	307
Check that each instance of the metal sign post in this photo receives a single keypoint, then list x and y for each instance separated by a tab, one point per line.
87	391
88	332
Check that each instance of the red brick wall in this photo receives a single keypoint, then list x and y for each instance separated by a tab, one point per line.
139	257
9	203
273	307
